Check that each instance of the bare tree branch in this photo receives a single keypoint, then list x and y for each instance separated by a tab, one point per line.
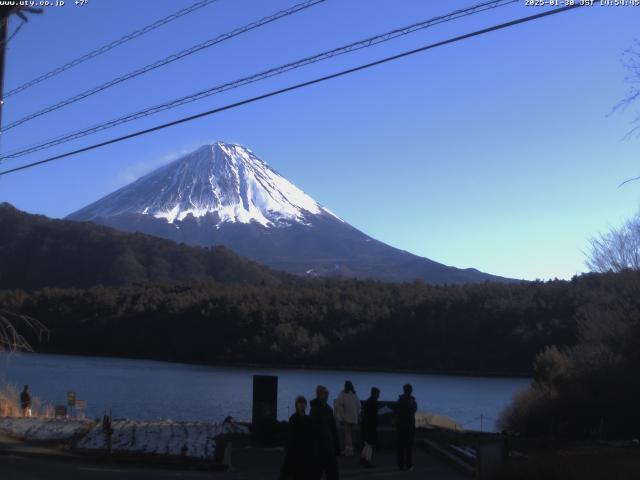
631	61
11	326
616	250
629	180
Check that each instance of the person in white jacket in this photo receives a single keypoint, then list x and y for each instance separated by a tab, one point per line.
347	412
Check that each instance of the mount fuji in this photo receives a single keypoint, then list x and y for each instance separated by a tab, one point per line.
223	194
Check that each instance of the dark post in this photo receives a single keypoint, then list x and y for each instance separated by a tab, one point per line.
265	404
107	429
492	455
4	29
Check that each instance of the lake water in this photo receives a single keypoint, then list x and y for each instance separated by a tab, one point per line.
144	389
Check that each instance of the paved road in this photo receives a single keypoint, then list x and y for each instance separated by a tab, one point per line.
250	464
15	467
263	465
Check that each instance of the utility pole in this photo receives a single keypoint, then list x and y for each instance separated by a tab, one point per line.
4	35
5	12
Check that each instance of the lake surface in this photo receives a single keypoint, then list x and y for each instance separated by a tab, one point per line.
145	389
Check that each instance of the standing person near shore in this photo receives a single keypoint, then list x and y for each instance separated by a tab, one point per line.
326	436
300	447
25	401
406	408
369	428
347	412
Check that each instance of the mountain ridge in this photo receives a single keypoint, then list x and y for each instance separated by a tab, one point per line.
224	194
38	252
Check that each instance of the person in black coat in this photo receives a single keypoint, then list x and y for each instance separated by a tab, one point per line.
369	428
300	446
25	401
405	410
326	435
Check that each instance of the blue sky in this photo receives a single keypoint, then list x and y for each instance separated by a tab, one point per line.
496	152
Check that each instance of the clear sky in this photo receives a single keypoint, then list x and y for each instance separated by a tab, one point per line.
496	152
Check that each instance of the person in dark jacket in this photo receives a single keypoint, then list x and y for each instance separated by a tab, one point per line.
25	401
369	428
405	410
326	435
300	447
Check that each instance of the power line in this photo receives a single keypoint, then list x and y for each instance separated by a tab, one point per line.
296	86
109	46
165	61
13	34
368	42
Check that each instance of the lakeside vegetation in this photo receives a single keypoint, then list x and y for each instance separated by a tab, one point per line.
589	388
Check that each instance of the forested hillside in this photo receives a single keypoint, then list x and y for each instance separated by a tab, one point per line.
485	328
38	252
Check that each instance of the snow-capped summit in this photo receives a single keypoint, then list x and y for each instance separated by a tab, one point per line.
225	180
223	194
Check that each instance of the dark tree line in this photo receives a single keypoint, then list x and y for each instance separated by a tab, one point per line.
476	328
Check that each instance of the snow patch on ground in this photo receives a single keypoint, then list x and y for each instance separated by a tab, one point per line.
165	437
433	420
44	429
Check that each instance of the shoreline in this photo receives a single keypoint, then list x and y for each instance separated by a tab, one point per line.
304	367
